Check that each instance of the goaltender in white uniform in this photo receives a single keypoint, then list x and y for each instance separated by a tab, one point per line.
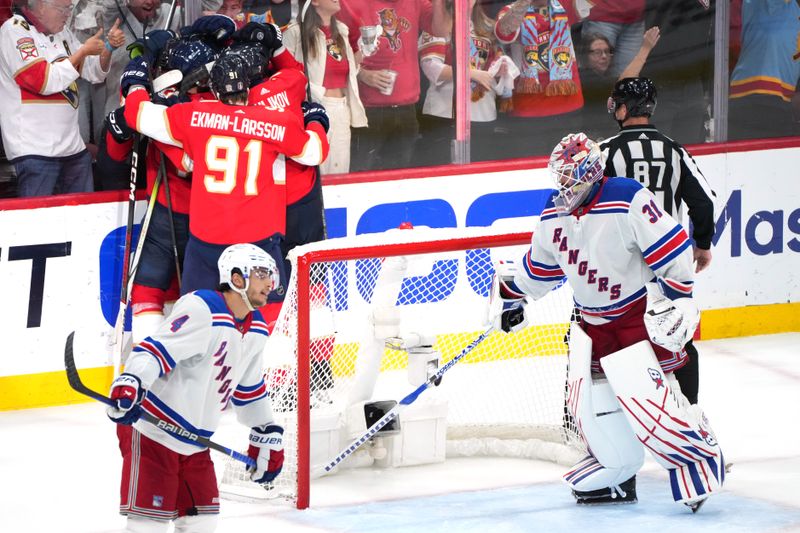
204	357
630	267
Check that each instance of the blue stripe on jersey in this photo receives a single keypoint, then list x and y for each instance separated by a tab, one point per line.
159	353
619	190
662	241
173	417
223	323
259	328
246	395
673	293
214	301
633	297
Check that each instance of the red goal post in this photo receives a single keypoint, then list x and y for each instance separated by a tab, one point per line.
322	358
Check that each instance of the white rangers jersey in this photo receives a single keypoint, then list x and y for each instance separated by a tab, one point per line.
199	361
607	251
38	93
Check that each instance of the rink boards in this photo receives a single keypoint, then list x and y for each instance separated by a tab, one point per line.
61	263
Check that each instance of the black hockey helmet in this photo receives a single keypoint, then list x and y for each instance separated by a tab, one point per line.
188	56
254	57
229	76
638	95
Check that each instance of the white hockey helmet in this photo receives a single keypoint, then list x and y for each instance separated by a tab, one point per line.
247	260
575	165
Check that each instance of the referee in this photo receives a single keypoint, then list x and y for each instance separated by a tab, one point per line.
662	165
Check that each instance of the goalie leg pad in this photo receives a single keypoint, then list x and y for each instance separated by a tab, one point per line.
676	433
615	453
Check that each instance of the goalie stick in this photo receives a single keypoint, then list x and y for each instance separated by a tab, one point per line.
395	411
75	382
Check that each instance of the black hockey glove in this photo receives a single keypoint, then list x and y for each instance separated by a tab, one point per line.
136	73
117	126
314	112
269	36
212	29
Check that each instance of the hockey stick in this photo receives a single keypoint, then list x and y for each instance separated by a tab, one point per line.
130	266
174	238
119	326
395	411
75	382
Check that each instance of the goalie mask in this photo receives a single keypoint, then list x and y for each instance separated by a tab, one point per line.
576	164
247	260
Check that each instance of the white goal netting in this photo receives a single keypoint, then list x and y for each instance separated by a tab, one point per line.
505	398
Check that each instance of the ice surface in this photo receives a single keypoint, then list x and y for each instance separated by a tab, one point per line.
60	472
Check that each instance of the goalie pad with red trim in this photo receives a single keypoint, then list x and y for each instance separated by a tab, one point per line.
615	454
676	433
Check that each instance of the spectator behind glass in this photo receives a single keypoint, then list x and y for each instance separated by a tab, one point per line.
489	72
265	12
40	60
278	12
622	23
764	80
331	67
233	9
547	94
138	18
389	82
598	80
683	66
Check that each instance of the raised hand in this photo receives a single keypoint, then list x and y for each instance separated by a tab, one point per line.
115	36
94	45
136	73
651	37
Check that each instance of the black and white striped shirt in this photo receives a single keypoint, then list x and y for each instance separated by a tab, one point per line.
668	171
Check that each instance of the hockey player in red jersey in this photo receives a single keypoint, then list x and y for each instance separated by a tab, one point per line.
205	357
155	283
630	267
238	153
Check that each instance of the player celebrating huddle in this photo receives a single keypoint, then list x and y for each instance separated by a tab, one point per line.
206	355
238	184
621	254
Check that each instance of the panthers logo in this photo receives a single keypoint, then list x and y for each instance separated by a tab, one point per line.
538	56
562	56
393	26
334	51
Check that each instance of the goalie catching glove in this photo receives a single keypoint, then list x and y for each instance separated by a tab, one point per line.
506	301
127	393
670	323
266	448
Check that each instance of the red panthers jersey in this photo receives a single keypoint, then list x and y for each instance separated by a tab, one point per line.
239	178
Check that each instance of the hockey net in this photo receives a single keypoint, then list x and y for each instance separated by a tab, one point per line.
505	398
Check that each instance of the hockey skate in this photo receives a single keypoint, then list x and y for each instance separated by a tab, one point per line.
623	493
695	505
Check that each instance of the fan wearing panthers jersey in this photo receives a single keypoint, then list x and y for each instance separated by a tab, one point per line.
204	358
238	180
629	264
